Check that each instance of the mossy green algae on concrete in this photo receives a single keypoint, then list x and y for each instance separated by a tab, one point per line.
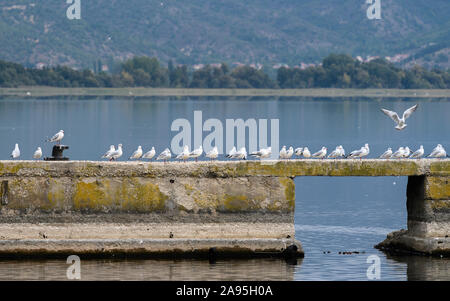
128	195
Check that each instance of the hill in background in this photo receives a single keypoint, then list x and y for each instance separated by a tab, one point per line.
265	32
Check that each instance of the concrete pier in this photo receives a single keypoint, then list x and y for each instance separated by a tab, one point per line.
195	208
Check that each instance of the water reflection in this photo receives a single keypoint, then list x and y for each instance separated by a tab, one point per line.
423	268
226	270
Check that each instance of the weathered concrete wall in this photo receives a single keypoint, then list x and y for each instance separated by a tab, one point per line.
428	205
103	208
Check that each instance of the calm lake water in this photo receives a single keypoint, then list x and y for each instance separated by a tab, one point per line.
332	214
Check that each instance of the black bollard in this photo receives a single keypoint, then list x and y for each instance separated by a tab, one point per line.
57	153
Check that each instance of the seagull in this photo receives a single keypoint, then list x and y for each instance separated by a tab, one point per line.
241	154
165	155
137	153
320	154
212	154
387	154
57	137
418	153
38	153
298	151
108	154
196	153
232	152
438	152
263	153
290	152
306	153
150	154
117	153
184	155
16	152
283	152
362	152
338	152
399	153
400	122
407	152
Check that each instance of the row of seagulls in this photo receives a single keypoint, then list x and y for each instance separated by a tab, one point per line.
405	152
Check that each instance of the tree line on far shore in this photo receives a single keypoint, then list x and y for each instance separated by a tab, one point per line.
336	71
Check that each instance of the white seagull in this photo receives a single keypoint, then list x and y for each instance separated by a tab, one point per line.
165	155
362	152
57	137
232	152
306	153
184	155
117	153
38	153
400	121
289	152
241	154
196	153
298	151
150	154
16	152
387	154
438	152
109	153
283	152
212	154
137	154
338	152
418	153
399	153
320	154
406	152
262	153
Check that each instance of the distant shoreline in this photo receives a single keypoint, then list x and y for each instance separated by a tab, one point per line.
38	91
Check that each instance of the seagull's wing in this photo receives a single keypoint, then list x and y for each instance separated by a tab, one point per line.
392	115
408	112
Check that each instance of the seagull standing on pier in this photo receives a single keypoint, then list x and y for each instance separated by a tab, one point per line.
38	153
306	153
108	154
401	122
399	153
241	154
283	152
387	154
184	155
418	153
150	154
406	152
289	152
57	137
438	152
165	155
137	154
117	153
262	153
321	153
16	152
212	154
231	153
337	153
362	152
298	151
196	153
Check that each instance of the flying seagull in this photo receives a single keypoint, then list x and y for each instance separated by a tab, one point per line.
401	122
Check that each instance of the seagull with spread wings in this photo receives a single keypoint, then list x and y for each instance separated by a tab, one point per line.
401	122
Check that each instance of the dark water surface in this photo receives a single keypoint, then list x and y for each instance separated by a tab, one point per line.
332	214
